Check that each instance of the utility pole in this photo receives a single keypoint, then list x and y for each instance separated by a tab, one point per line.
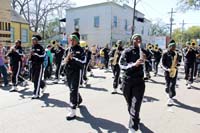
182	29
134	12
171	22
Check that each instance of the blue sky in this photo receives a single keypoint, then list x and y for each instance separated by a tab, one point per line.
158	9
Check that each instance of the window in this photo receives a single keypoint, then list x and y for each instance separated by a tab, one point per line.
12	34
96	21
24	36
8	26
84	37
142	32
2	26
115	21
76	23
126	25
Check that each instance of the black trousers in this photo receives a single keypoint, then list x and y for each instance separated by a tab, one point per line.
48	71
37	73
196	68
170	84
116	73
106	62
189	72
16	76
133	91
148	68
73	80
156	63
58	69
84	72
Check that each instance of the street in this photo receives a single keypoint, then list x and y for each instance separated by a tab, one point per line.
100	112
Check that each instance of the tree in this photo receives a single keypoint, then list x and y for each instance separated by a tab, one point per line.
185	5
159	29
37	12
191	33
52	28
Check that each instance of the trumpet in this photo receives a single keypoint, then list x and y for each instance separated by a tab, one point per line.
156	48
191	47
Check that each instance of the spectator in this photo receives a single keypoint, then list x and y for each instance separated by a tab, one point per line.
3	70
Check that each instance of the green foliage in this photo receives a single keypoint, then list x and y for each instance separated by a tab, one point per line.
189	34
185	5
52	28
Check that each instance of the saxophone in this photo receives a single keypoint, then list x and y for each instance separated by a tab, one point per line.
173	69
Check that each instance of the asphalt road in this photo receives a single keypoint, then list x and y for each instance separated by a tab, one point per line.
100	112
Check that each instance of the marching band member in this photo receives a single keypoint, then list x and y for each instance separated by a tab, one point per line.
148	62
157	54
115	56
189	62
88	55
75	61
16	55
59	52
37	60
169	64
133	85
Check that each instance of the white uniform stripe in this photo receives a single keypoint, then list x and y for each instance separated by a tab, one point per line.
78	86
84	61
40	55
39	80
18	70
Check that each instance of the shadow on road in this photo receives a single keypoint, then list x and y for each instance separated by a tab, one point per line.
149	99
99	77
50	102
23	93
6	88
145	129
100	123
156	82
95	88
187	107
195	88
160	75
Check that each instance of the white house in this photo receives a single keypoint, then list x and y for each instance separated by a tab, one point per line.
105	23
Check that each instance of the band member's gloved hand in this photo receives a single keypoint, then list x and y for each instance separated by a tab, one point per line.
139	62
70	56
32	53
169	70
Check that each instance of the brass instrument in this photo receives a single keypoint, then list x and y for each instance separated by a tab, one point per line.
156	48
173	69
149	46
116	55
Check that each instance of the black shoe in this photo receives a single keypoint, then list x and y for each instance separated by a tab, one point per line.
114	91
71	118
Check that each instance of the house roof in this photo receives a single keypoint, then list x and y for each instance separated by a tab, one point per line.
102	4
15	17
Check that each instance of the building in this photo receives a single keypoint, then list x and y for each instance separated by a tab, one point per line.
5	22
105	23
20	29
